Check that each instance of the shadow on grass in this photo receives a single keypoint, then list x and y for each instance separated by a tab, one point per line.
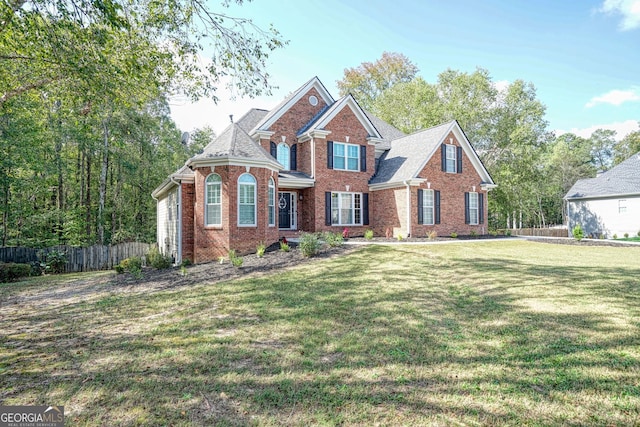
383	335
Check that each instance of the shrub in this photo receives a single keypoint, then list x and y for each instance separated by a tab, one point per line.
638	233
399	237
577	232
507	233
473	233
284	247
12	271
53	261
158	260
310	244
615	236
261	249
493	233
432	235
236	260
626	235
186	262
454	235
368	234
131	265
333	239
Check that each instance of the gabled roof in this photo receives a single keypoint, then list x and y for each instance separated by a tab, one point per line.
234	146
251	118
621	180
272	116
387	131
408	155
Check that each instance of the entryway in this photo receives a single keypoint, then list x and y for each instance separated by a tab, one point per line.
287	210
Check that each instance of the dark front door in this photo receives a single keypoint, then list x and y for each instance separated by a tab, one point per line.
285	210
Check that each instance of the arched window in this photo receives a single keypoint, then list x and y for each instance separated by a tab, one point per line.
213	200
272	202
246	200
283	156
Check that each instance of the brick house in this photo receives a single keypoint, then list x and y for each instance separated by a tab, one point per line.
318	164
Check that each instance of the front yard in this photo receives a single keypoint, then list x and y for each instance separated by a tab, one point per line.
483	333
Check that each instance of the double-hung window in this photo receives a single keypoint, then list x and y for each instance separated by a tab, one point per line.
213	199
473	208
451	158
346	156
622	206
283	156
346	209
246	200
428	204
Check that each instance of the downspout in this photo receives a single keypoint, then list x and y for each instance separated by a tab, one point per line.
408	208
178	259
313	158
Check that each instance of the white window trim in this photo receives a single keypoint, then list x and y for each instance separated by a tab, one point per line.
271	204
353	208
426	207
346	157
476	209
454	150
206	199
255	200
284	146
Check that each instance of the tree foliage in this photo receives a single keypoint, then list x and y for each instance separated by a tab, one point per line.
370	79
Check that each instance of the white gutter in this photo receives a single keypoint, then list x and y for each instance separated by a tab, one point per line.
407	183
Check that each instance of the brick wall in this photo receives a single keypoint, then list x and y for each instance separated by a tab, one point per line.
388	212
210	243
188	198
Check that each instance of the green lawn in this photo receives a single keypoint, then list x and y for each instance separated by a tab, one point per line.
469	333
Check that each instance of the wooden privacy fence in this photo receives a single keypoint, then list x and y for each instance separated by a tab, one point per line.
542	232
96	257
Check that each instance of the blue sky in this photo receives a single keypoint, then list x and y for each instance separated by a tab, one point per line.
582	56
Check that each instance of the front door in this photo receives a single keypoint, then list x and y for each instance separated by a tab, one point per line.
287	210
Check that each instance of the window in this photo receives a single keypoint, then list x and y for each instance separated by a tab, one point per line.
272	202
283	156
246	200
622	206
346	209
213	200
346	156
473	208
451	159
428	217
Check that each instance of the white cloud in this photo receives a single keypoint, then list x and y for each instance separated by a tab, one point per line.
615	97
629	9
622	129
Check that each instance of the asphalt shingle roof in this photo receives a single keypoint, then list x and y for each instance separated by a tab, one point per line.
408	154
234	142
622	179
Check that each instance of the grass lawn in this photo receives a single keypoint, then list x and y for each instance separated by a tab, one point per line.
490	333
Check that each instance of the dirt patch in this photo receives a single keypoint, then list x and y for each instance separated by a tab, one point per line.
584	242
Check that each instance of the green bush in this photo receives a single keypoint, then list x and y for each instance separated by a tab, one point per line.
186	262
577	232
12	271
53	261
261	249
157	260
507	233
333	239
493	233
615	236
131	265
454	235
284	247
235	260
310	244
638	233
368	234
626	235
473	233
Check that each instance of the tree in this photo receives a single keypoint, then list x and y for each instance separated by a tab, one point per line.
602	144
71	43
627	147
370	79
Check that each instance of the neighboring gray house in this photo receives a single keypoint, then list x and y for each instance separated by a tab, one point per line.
608	204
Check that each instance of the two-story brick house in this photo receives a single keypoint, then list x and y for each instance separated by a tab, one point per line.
318	164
